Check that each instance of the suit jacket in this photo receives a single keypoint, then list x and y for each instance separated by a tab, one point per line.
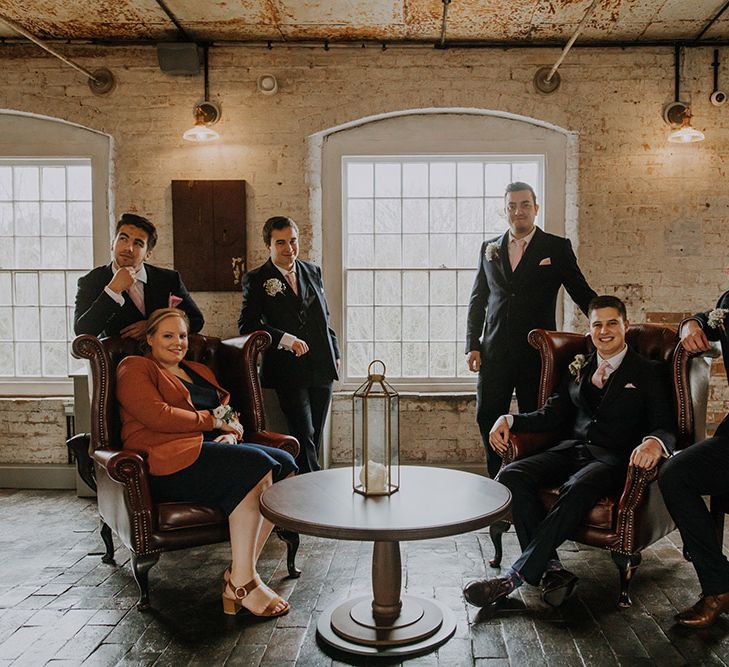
506	305
157	415
270	304
98	314
717	333
635	405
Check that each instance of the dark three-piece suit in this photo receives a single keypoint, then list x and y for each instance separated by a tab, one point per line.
96	313
504	306
702	469
303	384
600	429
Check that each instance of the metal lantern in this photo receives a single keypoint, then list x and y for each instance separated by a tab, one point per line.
376	447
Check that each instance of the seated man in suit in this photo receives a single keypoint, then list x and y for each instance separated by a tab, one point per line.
285	296
616	412
702	469
116	298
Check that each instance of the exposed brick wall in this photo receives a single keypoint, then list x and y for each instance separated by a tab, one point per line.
652	216
33	430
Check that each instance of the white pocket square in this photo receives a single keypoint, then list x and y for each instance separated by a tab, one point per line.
547	261
630	385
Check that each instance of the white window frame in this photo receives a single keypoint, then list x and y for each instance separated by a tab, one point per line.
27	136
464	270
430	132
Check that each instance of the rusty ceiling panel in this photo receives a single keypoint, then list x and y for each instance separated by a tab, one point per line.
379	20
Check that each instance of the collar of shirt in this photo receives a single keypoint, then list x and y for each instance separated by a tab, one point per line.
528	238
140	275
614	361
285	272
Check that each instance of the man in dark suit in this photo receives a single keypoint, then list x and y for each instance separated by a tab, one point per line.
702	470
515	291
116	298
285	296
616	411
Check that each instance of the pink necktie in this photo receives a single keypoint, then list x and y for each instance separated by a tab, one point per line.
519	246
136	294
291	280
600	375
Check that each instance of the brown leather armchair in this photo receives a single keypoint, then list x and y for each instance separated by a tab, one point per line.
121	477
626	523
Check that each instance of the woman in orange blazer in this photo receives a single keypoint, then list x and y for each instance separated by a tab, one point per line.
166	406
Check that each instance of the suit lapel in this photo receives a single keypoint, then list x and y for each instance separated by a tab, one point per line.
302	277
586	378
504	256
532	251
616	383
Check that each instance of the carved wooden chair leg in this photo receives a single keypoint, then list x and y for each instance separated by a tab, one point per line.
141	566
496	532
106	535
292	546
627	565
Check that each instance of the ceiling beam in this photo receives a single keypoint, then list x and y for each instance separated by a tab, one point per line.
712	21
180	30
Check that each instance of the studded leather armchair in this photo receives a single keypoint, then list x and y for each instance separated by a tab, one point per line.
628	522
121	477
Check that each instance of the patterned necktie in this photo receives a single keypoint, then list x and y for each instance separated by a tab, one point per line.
291	280
519	245
601	374
136	294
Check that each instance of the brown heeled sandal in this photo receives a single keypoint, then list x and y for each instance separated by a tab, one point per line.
233	605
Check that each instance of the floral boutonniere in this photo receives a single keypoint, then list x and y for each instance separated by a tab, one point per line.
273	286
717	317
577	365
492	251
225	413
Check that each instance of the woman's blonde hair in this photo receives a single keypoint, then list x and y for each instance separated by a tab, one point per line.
160	314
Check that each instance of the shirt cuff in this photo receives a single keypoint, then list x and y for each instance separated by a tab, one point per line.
117	297
509	420
686	321
287	342
666	453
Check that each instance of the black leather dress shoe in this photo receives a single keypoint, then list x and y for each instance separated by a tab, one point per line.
487	591
557	586
705	611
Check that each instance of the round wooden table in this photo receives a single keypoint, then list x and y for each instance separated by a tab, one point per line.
431	502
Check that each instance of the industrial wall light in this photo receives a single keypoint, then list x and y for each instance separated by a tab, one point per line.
677	114
206	113
267	84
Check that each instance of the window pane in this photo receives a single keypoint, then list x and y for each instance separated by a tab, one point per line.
415	251
53	252
53	219
360	216
6	323
7	254
415	179
387	288
495	217
27	359
415	360
389	354
360	177
387	180
470	179
443	179
6	219
387	216
7	359
54	359
27	325
388	251
527	172
80	252
359	356
25	184
443	250
360	323
6	289
53	183
414	216
415	288
467	248
387	324
442	215
443	323
360	288
52	289
470	215
80	219
442	288
497	176
27	218
465	286
415	323
26	289
360	250
442	359
79	183
53	325
6	183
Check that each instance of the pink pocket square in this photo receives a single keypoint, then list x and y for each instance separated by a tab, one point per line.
630	385
174	301
547	261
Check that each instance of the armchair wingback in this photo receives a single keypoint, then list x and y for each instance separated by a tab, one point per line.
630	521
125	503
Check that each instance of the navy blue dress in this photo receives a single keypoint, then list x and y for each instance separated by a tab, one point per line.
223	474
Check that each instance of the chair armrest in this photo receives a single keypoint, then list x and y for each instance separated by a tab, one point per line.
522	445
286	442
635	494
121	465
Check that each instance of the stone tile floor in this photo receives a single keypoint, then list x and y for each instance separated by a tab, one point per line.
59	605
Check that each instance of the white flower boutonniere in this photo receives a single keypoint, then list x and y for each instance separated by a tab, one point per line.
273	286
492	252
577	365
717	317
225	413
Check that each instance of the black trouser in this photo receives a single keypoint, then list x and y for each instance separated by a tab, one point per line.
701	469
584	480
496	384
305	409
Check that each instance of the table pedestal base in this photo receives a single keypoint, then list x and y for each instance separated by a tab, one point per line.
421	626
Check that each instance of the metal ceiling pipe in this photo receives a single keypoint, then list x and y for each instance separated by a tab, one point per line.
571	41
712	21
444	23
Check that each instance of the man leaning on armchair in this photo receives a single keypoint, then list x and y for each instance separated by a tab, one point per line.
615	410
116	298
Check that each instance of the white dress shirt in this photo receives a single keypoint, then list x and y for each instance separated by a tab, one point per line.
140	276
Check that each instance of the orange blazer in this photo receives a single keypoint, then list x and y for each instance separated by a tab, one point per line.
157	415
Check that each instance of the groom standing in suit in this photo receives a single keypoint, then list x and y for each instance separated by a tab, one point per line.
615	411
285	296
515	291
116	298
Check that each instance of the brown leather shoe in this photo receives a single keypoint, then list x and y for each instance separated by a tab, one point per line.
487	591
705	611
